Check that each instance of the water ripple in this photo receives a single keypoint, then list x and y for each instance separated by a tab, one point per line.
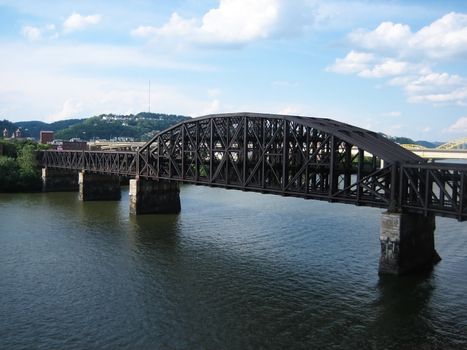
233	271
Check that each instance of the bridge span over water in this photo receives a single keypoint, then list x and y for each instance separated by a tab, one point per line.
305	157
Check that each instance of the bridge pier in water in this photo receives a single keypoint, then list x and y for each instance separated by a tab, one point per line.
407	243
98	187
154	197
59	180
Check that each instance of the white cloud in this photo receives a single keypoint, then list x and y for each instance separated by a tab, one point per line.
211	107
31	33
387	35
446	37
389	67
430	83
241	21
393	51
460	126
443	38
37	33
235	22
78	22
69	109
437	88
354	62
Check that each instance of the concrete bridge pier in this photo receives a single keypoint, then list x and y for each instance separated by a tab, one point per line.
407	243
59	180
154	197
98	187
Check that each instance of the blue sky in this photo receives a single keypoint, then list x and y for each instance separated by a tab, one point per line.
397	67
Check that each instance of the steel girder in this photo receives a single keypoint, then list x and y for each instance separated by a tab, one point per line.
269	155
440	189
115	163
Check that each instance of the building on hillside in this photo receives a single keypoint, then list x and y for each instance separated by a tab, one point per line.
5	133
18	134
74	146
46	137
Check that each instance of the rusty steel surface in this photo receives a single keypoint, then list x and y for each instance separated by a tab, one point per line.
295	156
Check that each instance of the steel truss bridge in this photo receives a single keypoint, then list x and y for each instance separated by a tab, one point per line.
305	157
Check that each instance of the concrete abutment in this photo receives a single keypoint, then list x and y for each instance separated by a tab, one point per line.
98	187
154	197
407	243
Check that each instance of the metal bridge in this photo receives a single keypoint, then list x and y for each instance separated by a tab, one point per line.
306	157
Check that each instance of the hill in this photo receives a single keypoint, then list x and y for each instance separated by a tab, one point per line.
6	124
33	128
141	126
406	140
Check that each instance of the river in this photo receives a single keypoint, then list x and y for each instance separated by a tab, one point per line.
233	270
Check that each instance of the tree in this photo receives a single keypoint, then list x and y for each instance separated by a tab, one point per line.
19	169
9	174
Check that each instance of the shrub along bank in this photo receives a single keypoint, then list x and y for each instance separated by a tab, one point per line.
19	171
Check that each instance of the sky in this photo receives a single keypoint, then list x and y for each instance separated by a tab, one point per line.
397	67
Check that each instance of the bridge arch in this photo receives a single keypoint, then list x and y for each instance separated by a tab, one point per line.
280	154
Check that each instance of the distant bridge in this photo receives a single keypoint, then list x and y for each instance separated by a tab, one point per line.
455	144
440	154
451	150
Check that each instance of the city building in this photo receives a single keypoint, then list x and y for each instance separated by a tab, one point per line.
46	137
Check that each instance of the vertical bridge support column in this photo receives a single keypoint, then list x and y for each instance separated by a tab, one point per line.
59	180
407	243
98	187
154	197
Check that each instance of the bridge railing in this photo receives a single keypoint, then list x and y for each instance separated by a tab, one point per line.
434	188
110	162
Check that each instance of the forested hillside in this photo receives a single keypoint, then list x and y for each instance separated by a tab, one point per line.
107	126
33	128
139	127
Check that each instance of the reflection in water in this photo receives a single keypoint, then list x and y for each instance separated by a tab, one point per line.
403	304
232	271
152	230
